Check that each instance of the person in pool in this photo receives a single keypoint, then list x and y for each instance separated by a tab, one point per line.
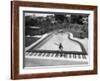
60	47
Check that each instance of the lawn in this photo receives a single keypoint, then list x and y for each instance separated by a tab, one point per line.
30	40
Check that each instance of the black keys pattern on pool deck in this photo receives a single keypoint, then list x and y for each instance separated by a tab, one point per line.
57	55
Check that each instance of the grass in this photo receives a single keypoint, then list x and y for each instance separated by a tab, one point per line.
30	40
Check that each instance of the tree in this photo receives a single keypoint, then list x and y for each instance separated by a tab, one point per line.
60	18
